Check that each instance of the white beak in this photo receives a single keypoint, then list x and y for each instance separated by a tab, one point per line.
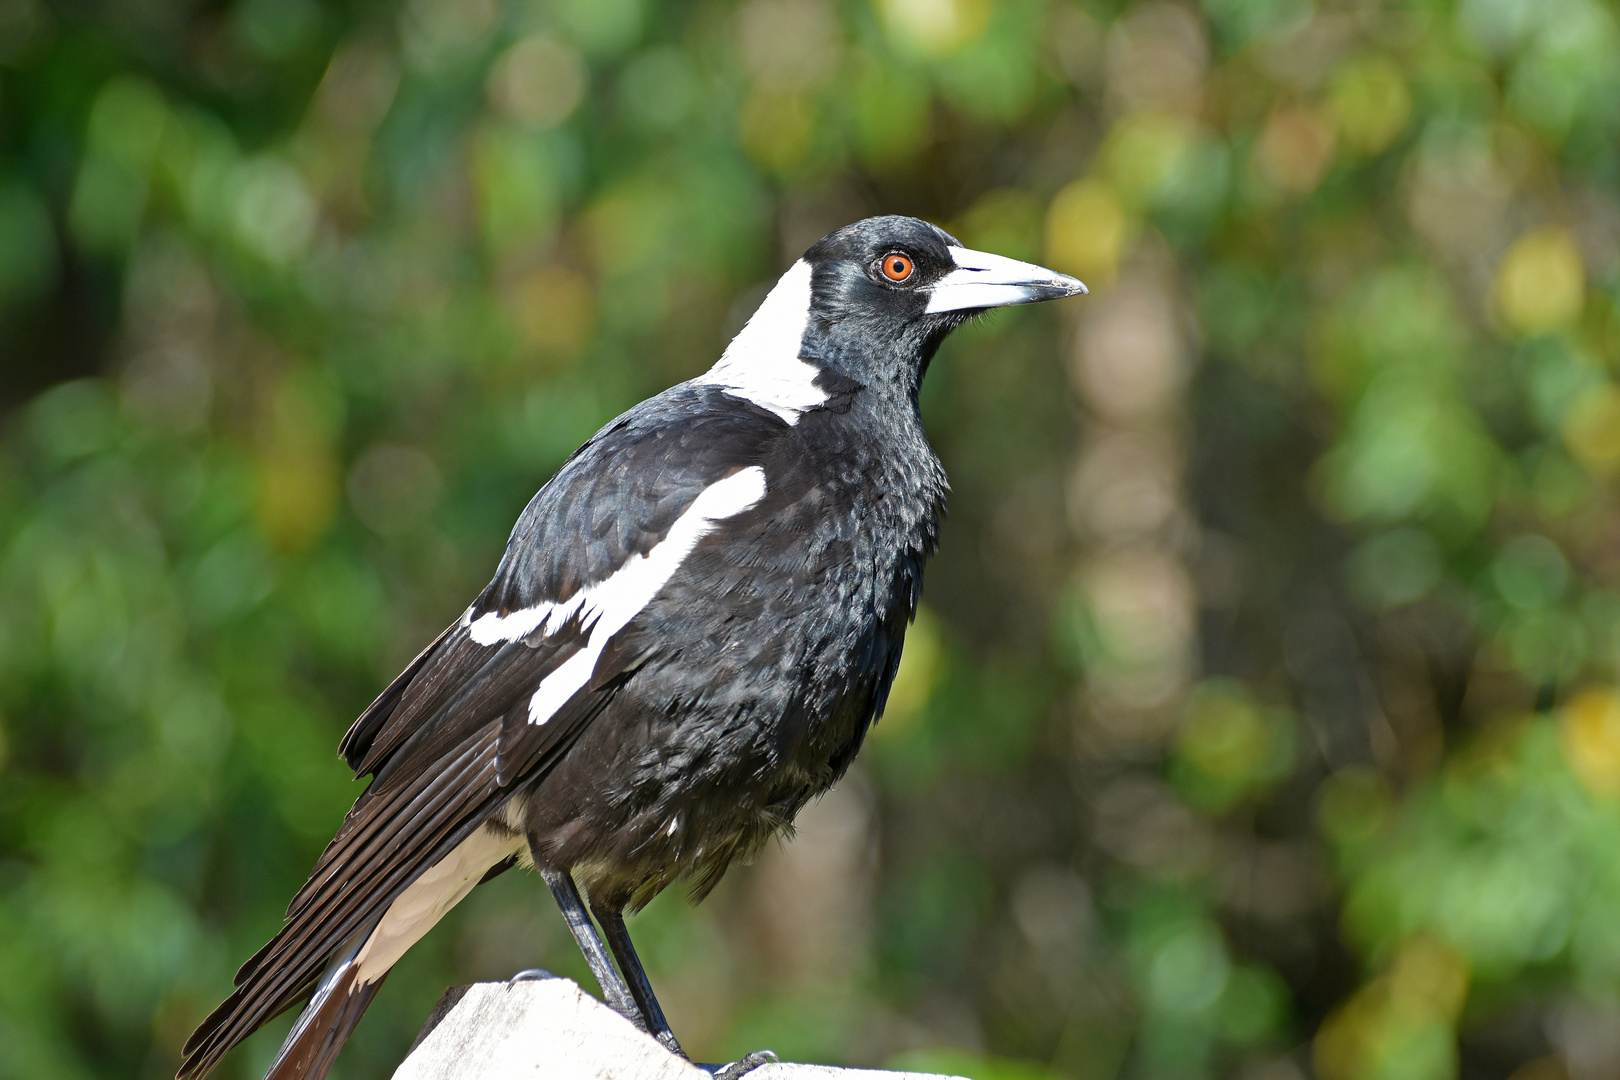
982	280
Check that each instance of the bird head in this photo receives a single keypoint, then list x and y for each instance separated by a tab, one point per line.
871	302
885	291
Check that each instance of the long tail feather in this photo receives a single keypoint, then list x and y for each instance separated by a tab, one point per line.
325	1024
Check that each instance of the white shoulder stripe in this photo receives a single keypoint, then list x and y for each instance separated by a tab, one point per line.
618	599
492	629
608	606
762	363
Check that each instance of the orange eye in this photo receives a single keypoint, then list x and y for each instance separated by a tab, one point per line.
896	267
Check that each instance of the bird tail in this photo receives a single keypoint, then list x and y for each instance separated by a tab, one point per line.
323	1027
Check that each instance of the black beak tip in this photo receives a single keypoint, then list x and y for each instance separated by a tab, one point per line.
1062	285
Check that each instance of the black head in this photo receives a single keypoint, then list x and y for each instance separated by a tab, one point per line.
885	291
870	304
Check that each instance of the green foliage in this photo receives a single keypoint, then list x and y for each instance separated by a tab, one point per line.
1261	720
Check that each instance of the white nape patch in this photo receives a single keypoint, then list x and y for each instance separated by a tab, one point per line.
608	606
441	887
762	363
983	280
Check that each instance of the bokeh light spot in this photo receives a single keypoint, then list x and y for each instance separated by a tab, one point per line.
1371	103
439	35
515	178
1398	1027
539	82
1229	745
1003	220
658	88
1189	970
777	128
936	26
1144	151
1589	736
890	106
1540	284
601	27
1530	572
274	210
392	487
1395	568
1353	807
554	310
1087	231
1592	429
792	44
1296	148
299	485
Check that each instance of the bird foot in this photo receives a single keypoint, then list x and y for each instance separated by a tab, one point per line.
530	975
740	1067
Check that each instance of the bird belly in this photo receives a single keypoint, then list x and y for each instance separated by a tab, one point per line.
700	762
757	670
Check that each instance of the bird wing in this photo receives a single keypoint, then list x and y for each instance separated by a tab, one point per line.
500	695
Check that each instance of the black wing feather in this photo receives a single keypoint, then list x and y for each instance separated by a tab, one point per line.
621	493
448	742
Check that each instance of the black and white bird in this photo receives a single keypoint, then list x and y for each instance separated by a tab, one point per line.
692	627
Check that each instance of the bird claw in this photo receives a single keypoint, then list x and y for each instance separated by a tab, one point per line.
742	1066
530	975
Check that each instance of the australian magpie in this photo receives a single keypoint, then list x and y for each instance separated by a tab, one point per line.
693	625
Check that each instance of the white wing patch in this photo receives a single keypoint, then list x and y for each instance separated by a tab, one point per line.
492	629
608	606
762	363
440	887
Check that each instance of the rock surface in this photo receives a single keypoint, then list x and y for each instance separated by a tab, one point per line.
551	1028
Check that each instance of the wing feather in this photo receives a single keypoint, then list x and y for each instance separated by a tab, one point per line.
357	740
450	740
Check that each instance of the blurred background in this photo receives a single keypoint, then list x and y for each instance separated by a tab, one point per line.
1261	720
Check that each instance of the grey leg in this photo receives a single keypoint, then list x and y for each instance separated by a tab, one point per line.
614	991
637	1005
618	939
624	951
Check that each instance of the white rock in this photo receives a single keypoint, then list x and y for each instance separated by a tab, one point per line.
551	1028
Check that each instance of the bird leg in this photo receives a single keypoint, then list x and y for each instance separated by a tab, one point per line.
618	939
624	951
614	991
634	999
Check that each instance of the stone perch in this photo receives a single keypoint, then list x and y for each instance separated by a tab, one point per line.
550	1029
